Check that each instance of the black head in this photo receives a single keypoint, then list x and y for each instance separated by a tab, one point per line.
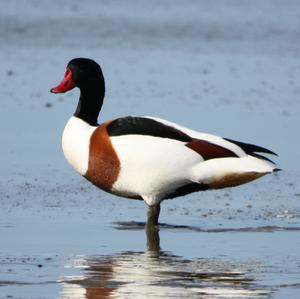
81	72
86	74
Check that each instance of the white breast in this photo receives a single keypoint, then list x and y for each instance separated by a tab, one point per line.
76	142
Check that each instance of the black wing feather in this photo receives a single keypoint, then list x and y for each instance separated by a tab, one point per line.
131	125
251	148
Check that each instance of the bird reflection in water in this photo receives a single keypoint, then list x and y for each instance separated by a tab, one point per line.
159	274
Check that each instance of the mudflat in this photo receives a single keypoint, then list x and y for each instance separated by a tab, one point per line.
228	68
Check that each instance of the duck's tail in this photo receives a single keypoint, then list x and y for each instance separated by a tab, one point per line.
230	172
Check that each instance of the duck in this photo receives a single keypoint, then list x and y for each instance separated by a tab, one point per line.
148	158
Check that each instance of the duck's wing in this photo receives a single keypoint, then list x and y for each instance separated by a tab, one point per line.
240	149
206	145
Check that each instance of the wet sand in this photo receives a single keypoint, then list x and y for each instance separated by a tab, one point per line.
230	69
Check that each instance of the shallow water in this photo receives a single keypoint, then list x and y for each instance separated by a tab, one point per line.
229	68
89	246
217	264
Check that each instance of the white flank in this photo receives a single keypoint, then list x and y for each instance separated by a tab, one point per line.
76	142
152	166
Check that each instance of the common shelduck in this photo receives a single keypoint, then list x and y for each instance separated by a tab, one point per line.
142	157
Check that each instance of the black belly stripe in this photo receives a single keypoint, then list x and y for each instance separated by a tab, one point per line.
187	189
145	126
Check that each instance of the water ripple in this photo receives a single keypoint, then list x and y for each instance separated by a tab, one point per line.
132	225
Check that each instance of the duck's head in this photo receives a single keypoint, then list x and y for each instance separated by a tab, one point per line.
82	73
86	74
